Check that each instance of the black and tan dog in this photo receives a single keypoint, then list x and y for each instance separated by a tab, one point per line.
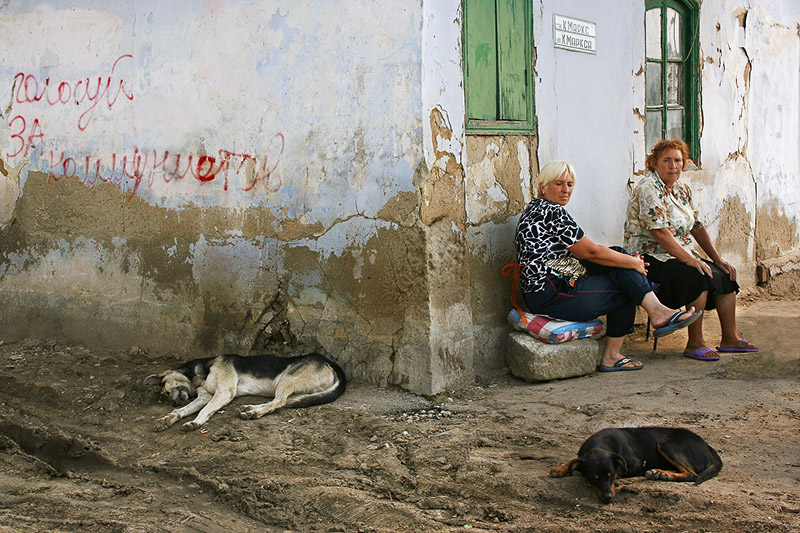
667	454
207	385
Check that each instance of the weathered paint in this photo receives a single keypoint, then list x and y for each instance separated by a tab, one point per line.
590	111
240	175
176	173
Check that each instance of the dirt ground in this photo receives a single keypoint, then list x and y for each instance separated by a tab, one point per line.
78	451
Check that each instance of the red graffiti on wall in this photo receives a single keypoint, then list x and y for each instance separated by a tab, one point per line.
27	141
148	166
30	89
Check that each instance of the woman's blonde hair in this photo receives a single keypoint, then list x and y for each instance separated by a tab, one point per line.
550	172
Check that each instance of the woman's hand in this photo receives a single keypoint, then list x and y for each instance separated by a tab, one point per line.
641	266
727	268
701	266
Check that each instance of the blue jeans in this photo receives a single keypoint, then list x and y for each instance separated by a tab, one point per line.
614	292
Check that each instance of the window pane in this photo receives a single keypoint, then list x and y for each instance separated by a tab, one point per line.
652	80
675	123
674	34
652	30
675	83
652	128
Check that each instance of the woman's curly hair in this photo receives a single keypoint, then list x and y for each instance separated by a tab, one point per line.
663	145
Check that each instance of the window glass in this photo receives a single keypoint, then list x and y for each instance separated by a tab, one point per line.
653	84
675	83
672	72
674	34
674	123
652	127
653	34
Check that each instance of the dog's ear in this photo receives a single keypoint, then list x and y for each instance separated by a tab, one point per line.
574	464
620	462
153	379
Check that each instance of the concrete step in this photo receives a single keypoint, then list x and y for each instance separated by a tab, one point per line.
532	360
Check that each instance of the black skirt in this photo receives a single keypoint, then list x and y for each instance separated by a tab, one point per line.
682	284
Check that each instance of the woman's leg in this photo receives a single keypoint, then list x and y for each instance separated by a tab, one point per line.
641	291
612	354
726	309
695	330
681	285
659	313
589	298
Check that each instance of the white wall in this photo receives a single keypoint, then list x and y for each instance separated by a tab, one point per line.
324	97
589	108
585	104
241	150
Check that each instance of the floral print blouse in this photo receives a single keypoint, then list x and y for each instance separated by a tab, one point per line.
652	207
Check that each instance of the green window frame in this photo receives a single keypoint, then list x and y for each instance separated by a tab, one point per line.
672	72
498	51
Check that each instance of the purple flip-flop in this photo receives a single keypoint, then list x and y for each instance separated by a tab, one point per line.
732	349
702	354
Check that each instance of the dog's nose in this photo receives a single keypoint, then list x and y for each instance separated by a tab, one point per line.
607	497
180	396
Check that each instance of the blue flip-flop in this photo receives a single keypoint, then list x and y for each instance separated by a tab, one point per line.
674	324
619	366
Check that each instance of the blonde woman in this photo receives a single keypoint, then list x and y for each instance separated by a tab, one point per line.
566	276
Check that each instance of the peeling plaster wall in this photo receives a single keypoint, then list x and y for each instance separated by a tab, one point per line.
442	185
749	182
590	111
196	177
498	188
204	176
773	45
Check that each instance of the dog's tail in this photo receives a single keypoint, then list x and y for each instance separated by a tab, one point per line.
712	470
325	396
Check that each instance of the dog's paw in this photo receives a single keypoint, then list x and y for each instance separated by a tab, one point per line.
190	426
660	475
248	411
164	423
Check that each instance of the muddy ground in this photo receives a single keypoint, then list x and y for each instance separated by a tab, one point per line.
78	451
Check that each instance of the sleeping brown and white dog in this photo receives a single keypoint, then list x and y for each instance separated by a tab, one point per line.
207	385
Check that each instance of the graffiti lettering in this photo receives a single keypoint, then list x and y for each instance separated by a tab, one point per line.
25	143
31	90
131	169
148	166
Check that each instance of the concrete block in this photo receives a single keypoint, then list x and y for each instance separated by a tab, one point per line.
532	360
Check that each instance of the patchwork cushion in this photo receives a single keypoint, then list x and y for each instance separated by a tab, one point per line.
554	331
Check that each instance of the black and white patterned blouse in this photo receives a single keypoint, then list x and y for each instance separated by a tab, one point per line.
544	232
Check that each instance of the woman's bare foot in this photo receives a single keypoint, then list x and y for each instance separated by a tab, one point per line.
612	360
661	317
623	363
737	346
